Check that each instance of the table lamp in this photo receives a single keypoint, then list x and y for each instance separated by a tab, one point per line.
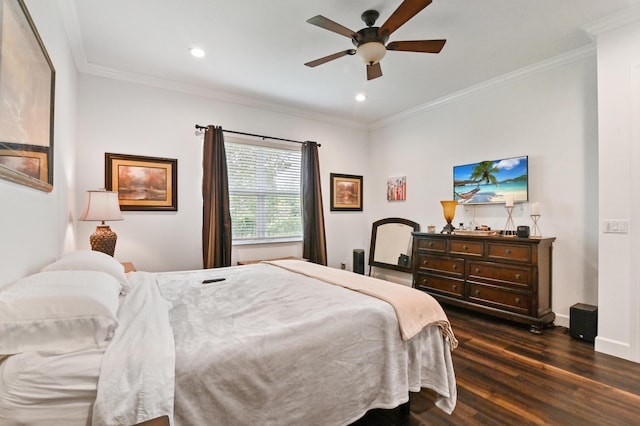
449	210
102	205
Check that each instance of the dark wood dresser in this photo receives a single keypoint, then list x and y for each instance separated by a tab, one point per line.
501	276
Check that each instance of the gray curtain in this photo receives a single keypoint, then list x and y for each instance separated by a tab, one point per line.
314	245
216	217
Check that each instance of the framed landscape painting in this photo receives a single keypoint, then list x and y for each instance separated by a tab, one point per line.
27	86
143	183
346	192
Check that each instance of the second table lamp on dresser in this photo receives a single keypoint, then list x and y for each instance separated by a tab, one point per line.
102	206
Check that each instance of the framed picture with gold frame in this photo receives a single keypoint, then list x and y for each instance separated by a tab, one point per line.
27	87
142	183
346	192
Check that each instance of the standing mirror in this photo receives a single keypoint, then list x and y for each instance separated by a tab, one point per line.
391	244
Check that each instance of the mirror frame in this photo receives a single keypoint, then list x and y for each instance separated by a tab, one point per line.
31	163
374	232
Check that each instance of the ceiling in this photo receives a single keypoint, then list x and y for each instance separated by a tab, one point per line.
255	49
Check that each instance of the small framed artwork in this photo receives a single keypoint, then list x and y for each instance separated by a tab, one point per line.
346	192
142	183
397	188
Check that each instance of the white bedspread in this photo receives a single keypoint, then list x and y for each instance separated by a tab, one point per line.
271	347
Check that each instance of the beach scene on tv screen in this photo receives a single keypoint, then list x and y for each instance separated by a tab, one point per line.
491	181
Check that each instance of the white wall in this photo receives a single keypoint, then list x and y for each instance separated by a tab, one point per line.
35	225
549	115
120	117
619	135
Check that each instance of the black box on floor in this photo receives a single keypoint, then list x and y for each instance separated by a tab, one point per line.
358	261
583	322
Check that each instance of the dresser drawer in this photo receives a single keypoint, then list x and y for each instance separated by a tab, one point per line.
442	285
469	248
432	244
500	298
439	264
521	276
515	252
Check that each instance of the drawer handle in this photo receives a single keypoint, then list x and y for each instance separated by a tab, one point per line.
517	276
454	286
507	251
424	281
465	248
425	262
477	292
430	244
454	267
518	300
477	270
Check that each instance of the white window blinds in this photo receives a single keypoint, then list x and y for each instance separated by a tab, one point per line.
264	192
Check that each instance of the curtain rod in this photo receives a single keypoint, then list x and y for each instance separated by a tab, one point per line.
199	127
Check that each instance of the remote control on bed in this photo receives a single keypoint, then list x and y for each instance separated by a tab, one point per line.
212	280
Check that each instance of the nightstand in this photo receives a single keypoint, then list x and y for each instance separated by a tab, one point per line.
128	267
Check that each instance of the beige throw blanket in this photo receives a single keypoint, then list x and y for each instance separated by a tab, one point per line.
414	308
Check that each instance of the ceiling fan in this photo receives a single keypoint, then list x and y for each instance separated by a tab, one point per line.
370	42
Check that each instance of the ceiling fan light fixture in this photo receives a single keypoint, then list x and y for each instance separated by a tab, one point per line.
372	52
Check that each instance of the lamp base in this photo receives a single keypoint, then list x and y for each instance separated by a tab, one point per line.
448	229
104	240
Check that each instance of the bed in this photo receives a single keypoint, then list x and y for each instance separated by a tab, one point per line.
285	342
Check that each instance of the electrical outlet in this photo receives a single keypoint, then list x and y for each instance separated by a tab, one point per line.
343	265
611	226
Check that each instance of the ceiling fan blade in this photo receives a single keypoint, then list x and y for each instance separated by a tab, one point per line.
374	71
407	10
426	46
328	24
330	58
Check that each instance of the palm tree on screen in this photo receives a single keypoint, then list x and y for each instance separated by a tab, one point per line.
483	172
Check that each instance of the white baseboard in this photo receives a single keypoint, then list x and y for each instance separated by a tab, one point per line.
614	348
562	320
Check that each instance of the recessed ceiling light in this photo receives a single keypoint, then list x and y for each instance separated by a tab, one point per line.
360	97
196	52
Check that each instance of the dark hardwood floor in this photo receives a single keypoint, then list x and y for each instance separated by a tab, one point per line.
509	376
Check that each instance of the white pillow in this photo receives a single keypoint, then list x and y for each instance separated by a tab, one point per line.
89	260
59	311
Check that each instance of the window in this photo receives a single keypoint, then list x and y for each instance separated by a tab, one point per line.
264	192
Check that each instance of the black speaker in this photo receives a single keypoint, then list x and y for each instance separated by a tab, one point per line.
583	322
358	261
522	231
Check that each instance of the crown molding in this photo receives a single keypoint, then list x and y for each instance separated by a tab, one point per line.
617	20
218	95
555	62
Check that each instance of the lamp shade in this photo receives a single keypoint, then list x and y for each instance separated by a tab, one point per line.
101	206
449	209
372	52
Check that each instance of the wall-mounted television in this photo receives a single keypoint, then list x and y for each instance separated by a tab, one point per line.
491	182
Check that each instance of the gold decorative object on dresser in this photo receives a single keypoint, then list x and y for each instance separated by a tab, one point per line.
505	277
